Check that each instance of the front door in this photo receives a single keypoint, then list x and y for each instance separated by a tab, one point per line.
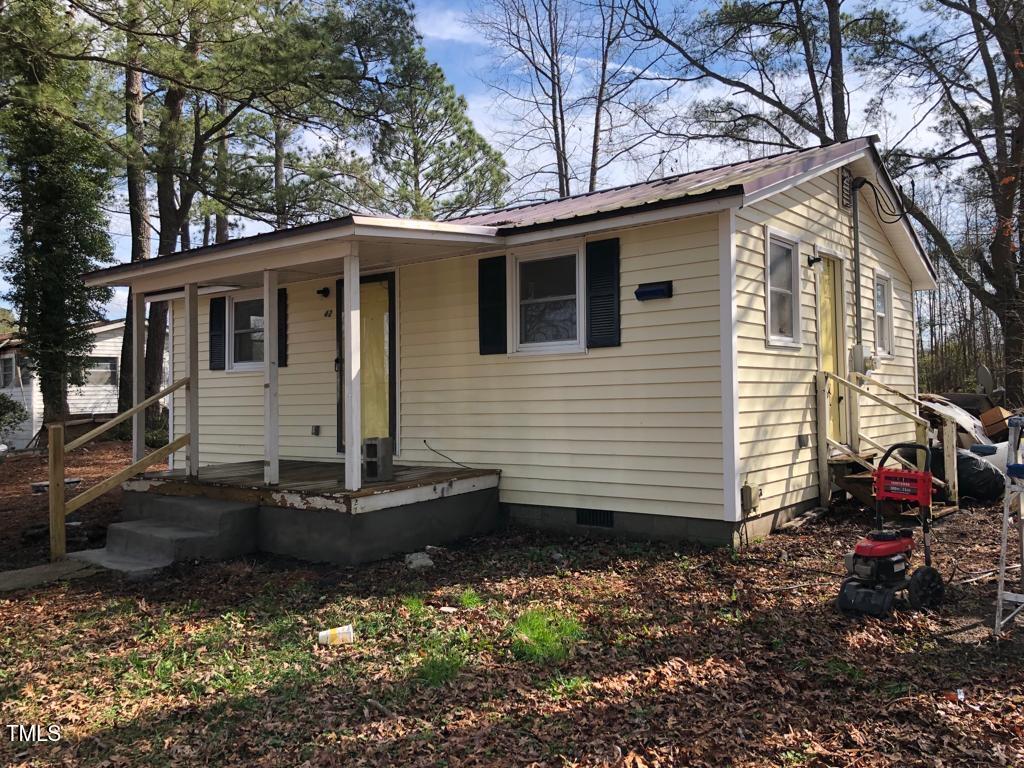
377	356
830	317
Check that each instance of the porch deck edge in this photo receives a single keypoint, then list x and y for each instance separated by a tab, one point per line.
370	499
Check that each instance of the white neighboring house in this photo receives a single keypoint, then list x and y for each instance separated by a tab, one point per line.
98	396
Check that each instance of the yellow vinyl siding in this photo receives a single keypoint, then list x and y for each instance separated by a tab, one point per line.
777	402
635	428
231	402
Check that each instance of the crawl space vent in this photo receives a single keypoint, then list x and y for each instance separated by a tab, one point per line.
599	518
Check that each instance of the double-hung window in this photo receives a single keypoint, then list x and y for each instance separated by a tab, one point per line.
883	316
547	302
101	371
6	371
245	332
782	291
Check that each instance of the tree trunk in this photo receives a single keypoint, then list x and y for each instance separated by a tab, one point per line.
221	224
53	386
840	129
280	190
138	204
1013	346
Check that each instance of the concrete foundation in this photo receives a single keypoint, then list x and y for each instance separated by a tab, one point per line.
159	529
630	525
329	536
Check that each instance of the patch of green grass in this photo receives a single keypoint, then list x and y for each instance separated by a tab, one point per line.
439	665
896	690
541	635
840	668
415	606
470	599
792	757
561	687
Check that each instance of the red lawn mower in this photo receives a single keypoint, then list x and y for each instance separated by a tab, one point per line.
879	566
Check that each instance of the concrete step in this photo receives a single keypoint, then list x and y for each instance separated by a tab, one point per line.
162	541
158	530
198	512
134	567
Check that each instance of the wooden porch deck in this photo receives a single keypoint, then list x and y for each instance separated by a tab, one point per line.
315	485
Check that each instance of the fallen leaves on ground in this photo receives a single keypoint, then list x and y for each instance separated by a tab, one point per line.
685	656
24	516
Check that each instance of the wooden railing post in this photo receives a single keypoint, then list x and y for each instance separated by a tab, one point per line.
824	481
55	490
949	447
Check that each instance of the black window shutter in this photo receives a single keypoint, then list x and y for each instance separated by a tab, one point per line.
492	305
282	327
218	320
603	294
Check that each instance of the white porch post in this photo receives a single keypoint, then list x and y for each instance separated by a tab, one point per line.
351	360
192	367
271	426
138	321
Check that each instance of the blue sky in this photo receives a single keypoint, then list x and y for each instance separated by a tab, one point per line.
449	43
464	56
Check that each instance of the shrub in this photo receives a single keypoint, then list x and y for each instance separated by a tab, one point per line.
156	438
12	414
541	635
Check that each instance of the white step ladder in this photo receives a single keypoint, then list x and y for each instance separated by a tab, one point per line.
1008	603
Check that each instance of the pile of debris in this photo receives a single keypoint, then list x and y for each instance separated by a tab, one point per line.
981	442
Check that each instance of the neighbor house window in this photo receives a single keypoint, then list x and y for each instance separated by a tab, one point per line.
547	302
101	371
6	372
782	291
883	316
245	322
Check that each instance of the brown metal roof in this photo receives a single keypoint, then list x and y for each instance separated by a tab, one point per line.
747	177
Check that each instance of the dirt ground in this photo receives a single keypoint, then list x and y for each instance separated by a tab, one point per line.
643	655
24	516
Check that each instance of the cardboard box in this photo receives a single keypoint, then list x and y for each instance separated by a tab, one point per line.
994	422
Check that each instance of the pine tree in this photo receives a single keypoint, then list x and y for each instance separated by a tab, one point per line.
55	181
430	162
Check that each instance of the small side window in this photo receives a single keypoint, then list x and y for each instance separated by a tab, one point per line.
101	371
6	372
782	292
883	316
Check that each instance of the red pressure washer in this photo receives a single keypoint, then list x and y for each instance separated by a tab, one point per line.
878	567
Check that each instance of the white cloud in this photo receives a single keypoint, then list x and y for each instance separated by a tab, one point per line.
443	23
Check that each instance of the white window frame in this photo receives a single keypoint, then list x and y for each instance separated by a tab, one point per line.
883	278
229	332
14	371
90	366
549	251
771	340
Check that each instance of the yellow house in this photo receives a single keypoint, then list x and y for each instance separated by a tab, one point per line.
641	359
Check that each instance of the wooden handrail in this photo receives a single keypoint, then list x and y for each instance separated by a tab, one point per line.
872	396
80	441
114	480
921	430
891	390
59	507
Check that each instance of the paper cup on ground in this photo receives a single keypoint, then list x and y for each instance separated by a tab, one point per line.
337	636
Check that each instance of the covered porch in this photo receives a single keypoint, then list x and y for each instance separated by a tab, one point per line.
277	386
340	258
